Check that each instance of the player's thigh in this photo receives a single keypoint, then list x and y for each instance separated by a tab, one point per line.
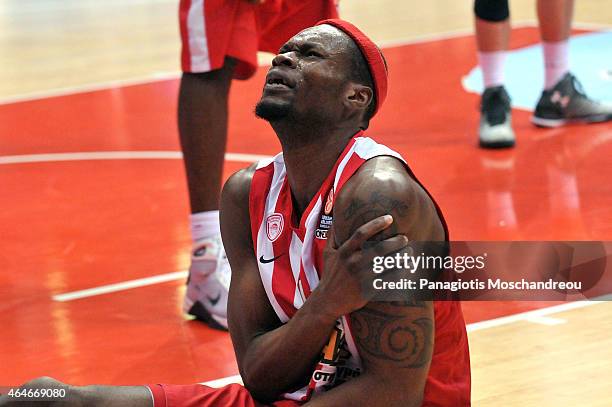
213	31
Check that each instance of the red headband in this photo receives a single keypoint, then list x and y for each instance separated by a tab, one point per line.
370	52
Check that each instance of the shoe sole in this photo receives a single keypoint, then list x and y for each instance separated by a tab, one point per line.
548	123
553	123
496	144
202	314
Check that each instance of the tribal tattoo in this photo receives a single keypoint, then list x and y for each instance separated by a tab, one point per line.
388	333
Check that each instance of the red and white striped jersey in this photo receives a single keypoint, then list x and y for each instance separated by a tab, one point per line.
290	260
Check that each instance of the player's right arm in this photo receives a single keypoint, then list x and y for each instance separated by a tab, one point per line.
274	358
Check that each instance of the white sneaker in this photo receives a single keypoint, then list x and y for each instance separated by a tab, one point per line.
495	119
208	283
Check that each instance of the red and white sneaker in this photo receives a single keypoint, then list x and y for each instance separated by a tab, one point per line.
208	283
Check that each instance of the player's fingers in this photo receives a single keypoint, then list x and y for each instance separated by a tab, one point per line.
366	231
388	246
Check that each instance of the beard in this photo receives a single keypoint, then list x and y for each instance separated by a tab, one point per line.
272	110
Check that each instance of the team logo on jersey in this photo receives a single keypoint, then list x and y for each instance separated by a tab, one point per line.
329	204
274	226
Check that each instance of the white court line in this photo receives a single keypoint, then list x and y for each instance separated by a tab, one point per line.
533	316
124	285
116	155
90	87
445	35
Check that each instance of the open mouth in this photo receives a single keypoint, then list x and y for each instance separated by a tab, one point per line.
276	81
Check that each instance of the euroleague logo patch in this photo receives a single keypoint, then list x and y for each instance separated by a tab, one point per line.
326	219
329	204
274	226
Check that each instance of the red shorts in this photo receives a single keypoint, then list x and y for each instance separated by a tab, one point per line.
198	395
214	29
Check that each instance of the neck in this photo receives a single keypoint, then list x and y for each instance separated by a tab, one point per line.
310	153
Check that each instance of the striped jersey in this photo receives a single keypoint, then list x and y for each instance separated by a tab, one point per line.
291	263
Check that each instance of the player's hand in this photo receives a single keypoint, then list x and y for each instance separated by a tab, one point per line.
347	269
256	1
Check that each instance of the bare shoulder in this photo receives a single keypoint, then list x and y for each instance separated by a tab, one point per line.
234	213
381	186
236	188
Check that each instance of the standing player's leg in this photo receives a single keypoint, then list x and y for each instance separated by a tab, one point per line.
563	99
492	25
232	29
555	18
207	30
202	123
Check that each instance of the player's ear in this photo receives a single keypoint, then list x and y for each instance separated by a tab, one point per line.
358	96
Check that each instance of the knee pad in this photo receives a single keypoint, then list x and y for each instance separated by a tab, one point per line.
492	10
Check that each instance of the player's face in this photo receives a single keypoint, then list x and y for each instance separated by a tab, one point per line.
307	77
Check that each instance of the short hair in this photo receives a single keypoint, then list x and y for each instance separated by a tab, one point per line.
360	73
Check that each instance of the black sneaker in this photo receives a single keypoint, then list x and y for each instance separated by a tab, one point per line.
566	102
495	119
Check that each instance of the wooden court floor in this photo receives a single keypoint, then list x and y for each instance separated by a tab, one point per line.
93	196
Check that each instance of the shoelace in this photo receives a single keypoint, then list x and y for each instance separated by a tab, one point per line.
498	96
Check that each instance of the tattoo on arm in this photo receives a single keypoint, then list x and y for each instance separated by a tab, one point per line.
386	334
359	211
400	333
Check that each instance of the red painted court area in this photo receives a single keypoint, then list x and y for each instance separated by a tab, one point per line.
72	225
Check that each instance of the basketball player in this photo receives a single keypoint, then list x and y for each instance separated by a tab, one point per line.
562	101
294	228
220	42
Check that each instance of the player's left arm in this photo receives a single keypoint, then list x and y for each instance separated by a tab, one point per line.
394	339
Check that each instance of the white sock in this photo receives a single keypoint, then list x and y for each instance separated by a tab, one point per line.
556	61
204	225
492	66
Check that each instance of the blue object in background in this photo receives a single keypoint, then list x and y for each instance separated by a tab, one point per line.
590	61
